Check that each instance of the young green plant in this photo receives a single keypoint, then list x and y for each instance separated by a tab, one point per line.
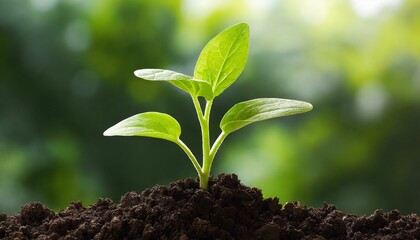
218	66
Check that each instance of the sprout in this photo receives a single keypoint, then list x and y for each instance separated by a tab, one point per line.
219	65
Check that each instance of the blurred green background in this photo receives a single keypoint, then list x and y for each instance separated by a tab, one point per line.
66	74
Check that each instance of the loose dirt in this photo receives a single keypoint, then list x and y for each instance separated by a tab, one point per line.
180	210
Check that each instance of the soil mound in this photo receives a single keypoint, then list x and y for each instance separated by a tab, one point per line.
180	210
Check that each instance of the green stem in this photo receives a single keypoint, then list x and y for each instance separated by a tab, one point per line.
216	146
205	134
191	156
212	153
197	107
205	129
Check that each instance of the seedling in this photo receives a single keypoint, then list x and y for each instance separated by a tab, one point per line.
218	66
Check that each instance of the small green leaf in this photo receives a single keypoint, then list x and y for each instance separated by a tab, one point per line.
188	84
148	124
255	110
223	58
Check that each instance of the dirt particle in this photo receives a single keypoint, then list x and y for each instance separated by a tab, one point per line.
3	217
34	213
269	231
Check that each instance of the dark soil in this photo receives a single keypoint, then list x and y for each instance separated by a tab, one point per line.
227	210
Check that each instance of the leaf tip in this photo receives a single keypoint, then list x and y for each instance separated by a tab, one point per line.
309	106
138	73
245	27
109	132
243	24
106	133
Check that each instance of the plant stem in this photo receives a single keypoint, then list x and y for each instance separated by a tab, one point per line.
197	107
191	156
216	146
205	129
204	120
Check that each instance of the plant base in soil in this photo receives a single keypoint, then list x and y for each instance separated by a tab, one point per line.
181	210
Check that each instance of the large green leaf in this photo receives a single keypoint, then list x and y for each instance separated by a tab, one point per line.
223	58
148	124
192	86
255	110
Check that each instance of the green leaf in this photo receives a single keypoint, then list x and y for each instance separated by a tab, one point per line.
223	58
188	84
148	124
255	110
